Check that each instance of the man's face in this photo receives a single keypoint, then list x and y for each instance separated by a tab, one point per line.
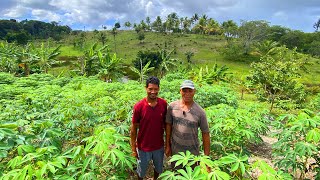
152	91
187	94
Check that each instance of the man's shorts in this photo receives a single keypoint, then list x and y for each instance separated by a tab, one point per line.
144	158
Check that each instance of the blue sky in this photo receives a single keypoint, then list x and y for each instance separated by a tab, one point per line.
93	14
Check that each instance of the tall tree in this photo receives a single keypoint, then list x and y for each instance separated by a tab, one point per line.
127	24
157	24
251	32
230	29
186	24
317	25
172	22
194	18
148	21
275	33
213	27
114	33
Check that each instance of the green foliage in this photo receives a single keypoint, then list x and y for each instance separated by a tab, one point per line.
47	57
315	103
64	128
232	51
298	142
100	62
62	133
14	30
143	57
235	164
18	37
275	76
194	167
204	75
205	96
9	55
142	71
141	36
6	78
233	129
208	95
269	173
251	32
231	166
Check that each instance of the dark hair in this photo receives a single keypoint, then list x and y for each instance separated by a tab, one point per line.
152	80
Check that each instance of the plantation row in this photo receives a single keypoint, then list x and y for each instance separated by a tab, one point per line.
78	128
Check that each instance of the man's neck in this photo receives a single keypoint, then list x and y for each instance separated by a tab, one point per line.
187	104
151	101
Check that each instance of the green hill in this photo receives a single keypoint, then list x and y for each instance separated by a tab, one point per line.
207	50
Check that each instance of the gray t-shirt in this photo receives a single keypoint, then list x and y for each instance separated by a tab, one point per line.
185	127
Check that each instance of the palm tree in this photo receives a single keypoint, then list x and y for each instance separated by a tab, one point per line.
212	27
317	25
194	18
201	26
186	24
148	21
114	33
172	21
157	24
229	29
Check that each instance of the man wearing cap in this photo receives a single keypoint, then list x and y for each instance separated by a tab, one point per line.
184	118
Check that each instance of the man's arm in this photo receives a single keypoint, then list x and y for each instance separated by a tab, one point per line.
206	143
168	139
133	138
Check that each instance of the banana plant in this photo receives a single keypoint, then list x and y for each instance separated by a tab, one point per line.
47	57
143	71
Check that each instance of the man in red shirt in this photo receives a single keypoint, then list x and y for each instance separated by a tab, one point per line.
149	117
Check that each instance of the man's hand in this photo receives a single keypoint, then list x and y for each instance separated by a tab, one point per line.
135	154
168	151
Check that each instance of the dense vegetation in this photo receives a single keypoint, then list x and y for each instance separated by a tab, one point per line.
65	106
22	32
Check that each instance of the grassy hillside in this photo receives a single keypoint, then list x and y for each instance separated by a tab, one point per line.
207	50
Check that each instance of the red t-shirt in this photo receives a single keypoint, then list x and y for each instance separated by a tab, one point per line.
151	124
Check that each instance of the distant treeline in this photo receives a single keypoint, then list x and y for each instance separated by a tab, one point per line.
248	32
23	31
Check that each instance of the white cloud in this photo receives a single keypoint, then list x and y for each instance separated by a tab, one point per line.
294	13
40	14
15	12
280	15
